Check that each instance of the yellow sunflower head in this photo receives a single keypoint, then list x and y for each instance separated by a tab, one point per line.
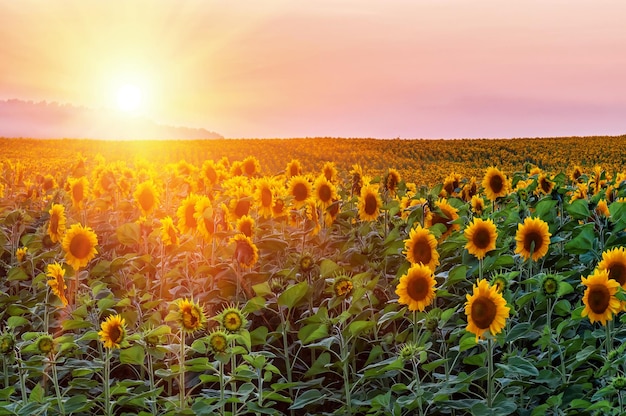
486	310
544	184
602	209
245	225
240	202
357	179
169	234
300	189
251	166
204	217
599	297
614	262
264	196
481	237
212	172
369	203
495	184
189	315
294	168
79	244
246	252
330	171
78	191
147	197
391	181
218	341
421	248
478	204
186	214
576	173
343	286
445	214
56	225
232	319
56	273
20	254
452	184
113	331
470	190
533	238
325	192
416	288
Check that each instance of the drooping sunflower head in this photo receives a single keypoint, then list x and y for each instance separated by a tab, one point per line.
481	237
495	184
147	197
478	204
279	209
614	262
79	244
533	238
445	214
169	234
251	166
599	297
186	214
246	252
300	190
45	344
369	203
212	172
325	192
56	273
391	181
245	225
486	310
218	341
421	248
416	288
232	319
56	224
189	315
544	184
343	285
113	331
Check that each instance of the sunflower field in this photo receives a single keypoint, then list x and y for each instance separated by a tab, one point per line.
262	277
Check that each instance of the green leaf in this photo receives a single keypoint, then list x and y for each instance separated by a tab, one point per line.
312	332
583	241
328	268
545	209
128	234
307	398
15	321
17	273
578	209
293	295
356	327
133	355
71	324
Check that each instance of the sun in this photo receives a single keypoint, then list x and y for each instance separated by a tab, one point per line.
128	98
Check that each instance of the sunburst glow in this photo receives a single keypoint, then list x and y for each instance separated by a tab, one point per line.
129	98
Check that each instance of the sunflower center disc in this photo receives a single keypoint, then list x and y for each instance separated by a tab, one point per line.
418	289
599	298
80	246
483	312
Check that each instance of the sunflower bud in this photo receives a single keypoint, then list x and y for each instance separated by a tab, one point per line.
550	286
619	383
7	343
45	344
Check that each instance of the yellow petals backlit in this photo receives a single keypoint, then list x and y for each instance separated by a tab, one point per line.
533	238
113	331
416	288
421	248
79	244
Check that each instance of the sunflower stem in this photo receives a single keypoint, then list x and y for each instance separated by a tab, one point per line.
549	326
181	376
20	373
418	392
489	372
107	387
5	370
222	400
415	334
480	269
233	365
285	322
609	337
152	387
55	381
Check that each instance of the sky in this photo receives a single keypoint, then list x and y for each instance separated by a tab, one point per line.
329	68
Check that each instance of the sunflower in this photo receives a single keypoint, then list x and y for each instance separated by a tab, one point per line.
343	286
7	343
443	214
245	225
329	171
369	203
478	204
532	237
550	285
56	273
486	310
614	262
294	168
279	209
325	192
500	282
576	173
421	248
312	217
406	203
186	214
232	319
602	209
495	184
169	234
544	184
45	344
79	244
20	254
246	252
306	263
204	217
481	237
240	203
357	179
56	225
218	341
212	172
147	197
78	191
469	190
580	192
251	166
391	181
113	331
300	189
416	288
599	298
189	315
330	213
264	196
452	183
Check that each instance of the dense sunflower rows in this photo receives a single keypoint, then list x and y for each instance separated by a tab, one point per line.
197	282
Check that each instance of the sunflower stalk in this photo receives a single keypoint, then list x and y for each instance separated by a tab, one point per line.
22	376
152	386
285	323
233	366
181	375
5	370
55	382
489	373
609	337
107	386
418	390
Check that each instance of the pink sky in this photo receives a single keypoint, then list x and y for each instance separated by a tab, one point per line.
359	68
